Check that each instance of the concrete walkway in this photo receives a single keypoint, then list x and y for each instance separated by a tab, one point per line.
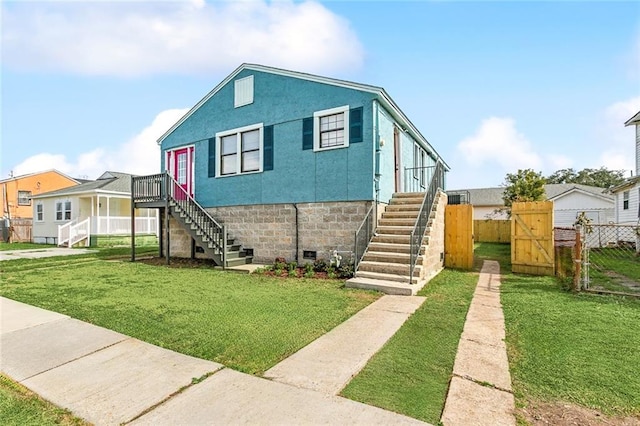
329	363
108	378
480	390
39	253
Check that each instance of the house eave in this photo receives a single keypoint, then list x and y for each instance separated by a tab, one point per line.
83	193
633	120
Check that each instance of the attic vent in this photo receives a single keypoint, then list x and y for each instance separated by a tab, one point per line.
243	91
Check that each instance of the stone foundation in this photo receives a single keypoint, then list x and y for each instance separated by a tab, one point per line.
433	260
270	229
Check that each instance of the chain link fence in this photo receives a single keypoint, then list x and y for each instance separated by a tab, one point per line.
611	258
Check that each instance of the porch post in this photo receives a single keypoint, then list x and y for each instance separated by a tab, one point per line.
166	221
133	225
108	216
98	215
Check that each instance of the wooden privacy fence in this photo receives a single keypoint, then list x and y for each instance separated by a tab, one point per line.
532	238
20	230
458	236
492	231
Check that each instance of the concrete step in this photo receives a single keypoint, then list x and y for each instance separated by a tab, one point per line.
387	257
403	208
385	277
388	268
384	286
396	230
402	221
405	214
391	239
408	195
389	247
239	261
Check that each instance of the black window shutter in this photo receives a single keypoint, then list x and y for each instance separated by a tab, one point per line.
307	133
355	125
267	144
212	157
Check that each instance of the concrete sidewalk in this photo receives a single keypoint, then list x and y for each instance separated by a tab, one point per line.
480	389
40	253
108	378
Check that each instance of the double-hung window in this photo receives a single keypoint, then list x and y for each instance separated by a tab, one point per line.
240	150
39	212
63	210
24	198
331	128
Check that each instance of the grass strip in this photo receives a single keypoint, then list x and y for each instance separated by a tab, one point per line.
21	407
562	346
411	373
246	322
578	348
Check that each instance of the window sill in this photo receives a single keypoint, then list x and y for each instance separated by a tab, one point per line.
330	148
239	174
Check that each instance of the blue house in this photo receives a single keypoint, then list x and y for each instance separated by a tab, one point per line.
278	163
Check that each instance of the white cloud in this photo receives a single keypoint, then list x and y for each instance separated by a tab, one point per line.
498	142
139	155
618	140
188	37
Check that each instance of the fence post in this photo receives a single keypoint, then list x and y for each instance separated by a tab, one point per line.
578	259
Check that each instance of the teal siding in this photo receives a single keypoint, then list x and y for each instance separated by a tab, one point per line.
298	175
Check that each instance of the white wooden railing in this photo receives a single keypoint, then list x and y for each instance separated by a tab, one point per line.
121	225
72	233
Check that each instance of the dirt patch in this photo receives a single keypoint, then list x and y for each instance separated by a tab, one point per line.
565	414
179	262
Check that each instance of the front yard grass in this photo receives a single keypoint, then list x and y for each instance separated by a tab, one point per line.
24	246
411	373
20	407
567	347
246	322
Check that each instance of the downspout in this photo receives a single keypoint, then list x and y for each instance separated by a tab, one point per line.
295	206
378	153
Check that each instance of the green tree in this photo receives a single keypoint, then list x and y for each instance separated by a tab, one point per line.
602	177
526	185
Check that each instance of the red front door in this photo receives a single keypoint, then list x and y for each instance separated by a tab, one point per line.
180	164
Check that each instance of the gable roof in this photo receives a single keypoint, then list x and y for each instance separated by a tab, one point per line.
382	95
39	173
493	196
633	120
107	182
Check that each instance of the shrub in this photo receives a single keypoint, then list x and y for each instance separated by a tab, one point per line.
320	265
308	270
347	269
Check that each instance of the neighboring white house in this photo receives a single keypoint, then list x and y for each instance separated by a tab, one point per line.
569	200
84	213
627	194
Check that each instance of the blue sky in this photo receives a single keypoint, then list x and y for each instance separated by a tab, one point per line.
494	86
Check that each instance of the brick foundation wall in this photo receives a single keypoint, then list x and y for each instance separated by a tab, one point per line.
433	260
270	229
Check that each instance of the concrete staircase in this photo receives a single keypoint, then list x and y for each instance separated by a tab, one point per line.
385	265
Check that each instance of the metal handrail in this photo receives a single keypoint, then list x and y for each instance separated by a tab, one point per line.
199	217
364	233
415	241
416	179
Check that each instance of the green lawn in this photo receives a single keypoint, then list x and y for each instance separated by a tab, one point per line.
411	373
579	348
246	322
20	407
24	246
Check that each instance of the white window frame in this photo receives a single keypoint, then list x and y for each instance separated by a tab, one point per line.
63	211
39	214
238	132
625	200
22	203
316	127
243	91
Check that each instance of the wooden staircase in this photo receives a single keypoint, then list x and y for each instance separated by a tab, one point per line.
210	241
388	255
